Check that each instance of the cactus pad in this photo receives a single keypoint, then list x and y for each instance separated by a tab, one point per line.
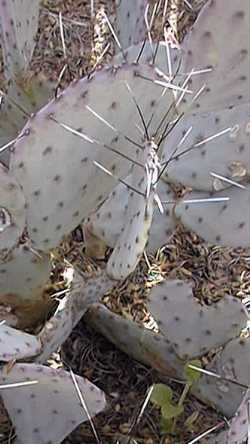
70	310
138	216
48	411
233	362
55	167
12	211
130	24
226	155
22	281
223	223
191	328
19	23
107	222
140	343
16	344
208	45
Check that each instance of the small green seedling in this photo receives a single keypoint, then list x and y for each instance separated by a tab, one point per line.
162	396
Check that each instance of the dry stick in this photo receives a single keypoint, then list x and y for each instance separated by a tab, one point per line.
92	9
62	35
65	19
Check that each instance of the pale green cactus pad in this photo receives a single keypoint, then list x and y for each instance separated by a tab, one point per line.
56	168
193	329
12	211
48	411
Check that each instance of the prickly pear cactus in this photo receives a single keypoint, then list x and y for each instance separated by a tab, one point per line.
107	222
18	25
224	222
130	23
67	138
12	211
23	92
237	430
23	278
138	215
23	98
16	344
239	424
226	154
207	46
154	54
142	344
232	363
84	292
50	409
222	103
193	329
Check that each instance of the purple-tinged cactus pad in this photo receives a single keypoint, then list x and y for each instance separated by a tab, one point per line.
226	154
130	23
55	167
222	222
193	329
107	222
12	211
19	23
220	40
16	344
50	410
